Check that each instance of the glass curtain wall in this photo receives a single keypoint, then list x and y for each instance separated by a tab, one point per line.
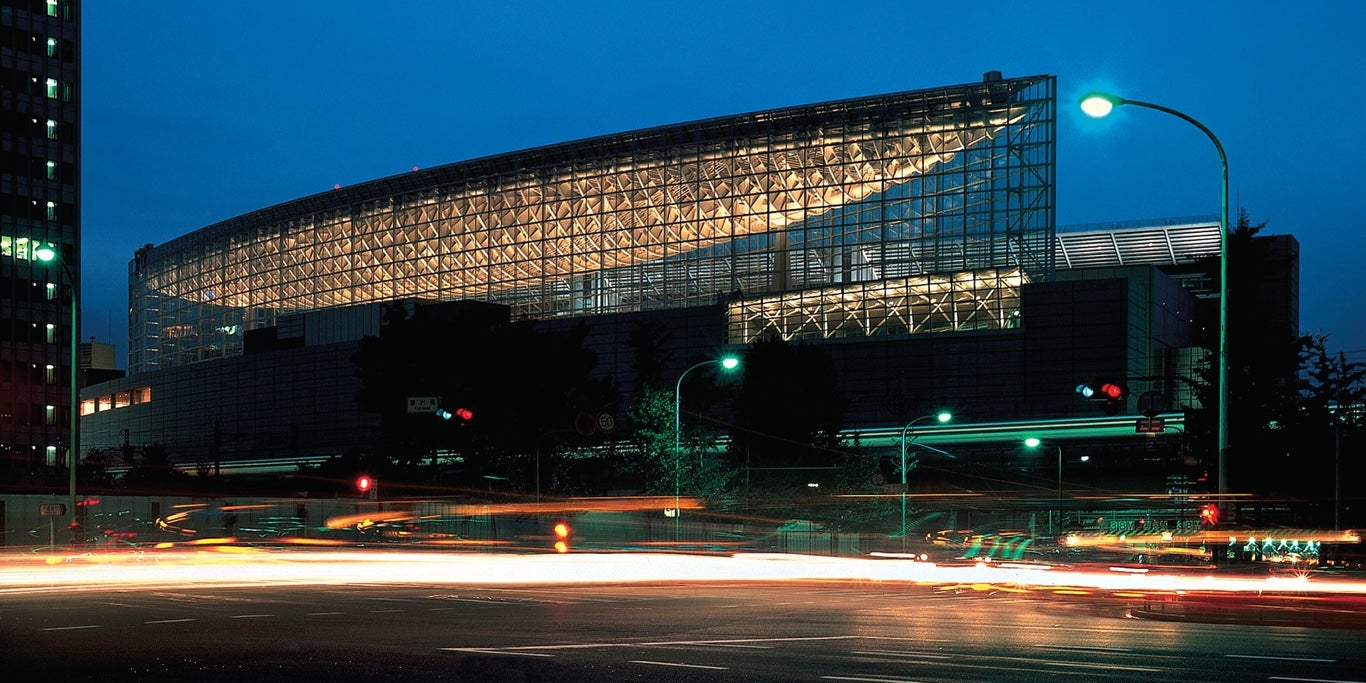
898	190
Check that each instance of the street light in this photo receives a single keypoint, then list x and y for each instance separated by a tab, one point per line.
942	416
1100	104
728	363
1034	443
46	253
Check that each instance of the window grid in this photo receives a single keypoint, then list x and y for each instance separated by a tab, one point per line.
887	188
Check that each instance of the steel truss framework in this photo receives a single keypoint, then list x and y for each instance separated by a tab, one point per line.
966	300
860	196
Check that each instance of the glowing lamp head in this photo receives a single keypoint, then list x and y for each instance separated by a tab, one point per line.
1032	442
944	416
45	253
561	537
1098	104
730	362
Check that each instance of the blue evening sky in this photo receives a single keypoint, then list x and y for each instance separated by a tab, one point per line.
195	112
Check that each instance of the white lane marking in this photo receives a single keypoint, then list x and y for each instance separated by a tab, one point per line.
168	621
869	680
1106	666
494	651
679	664
914	640
250	616
1310	680
748	647
732	640
323	614
1084	648
589	646
1282	659
384	611
69	628
439	609
119	604
915	655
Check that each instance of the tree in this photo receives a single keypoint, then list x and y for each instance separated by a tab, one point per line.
1333	395
522	386
1262	366
788	412
154	470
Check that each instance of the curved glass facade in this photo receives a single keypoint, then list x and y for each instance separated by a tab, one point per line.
850	218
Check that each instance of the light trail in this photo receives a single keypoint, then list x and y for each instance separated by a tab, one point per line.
240	566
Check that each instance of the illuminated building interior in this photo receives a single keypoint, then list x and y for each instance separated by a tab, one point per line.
911	212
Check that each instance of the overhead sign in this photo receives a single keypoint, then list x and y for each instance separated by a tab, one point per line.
51	510
423	404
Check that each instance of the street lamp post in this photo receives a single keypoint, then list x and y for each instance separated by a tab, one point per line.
1100	104
46	253
1034	442
942	417
729	363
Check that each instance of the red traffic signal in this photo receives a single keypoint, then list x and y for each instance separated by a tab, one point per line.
1209	514
364	484
561	537
1110	395
465	414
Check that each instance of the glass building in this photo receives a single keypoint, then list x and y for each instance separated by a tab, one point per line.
911	212
39	206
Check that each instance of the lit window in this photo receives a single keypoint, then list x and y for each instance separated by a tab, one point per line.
52	8
50	456
52	211
51	291
123	399
6	245
88	406
142	395
51	129
50	374
51	170
49	415
52	91
21	248
51	333
52	47
106	403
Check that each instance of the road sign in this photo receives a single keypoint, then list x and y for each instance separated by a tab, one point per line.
51	510
423	404
1150	425
1150	403
607	423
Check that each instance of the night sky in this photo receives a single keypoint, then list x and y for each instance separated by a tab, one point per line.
197	112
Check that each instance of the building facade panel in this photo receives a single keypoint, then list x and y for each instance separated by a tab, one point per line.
39	206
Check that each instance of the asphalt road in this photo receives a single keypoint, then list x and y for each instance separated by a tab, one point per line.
745	632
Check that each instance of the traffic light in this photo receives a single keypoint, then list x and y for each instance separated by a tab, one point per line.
1209	515
366	486
465	414
1110	395
561	537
